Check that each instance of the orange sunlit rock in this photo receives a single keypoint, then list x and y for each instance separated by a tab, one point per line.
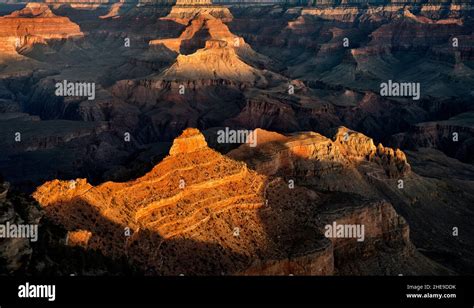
33	24
200	212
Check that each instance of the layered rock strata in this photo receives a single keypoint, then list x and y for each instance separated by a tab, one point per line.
199	212
33	24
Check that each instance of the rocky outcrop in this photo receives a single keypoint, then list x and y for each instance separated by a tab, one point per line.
116	10
190	141
78	238
293	155
34	24
193	2
322	164
199	212
216	61
184	13
358	146
202	27
195	194
209	51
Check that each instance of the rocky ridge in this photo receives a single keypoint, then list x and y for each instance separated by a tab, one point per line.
199	212
286	154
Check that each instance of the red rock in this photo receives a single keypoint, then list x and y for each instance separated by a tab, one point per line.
34	24
183	215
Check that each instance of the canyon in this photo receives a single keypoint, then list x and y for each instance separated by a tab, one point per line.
136	180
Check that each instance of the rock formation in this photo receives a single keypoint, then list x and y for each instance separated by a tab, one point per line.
209	51
202	27
293	155
193	2
34	24
199	212
186	10
358	167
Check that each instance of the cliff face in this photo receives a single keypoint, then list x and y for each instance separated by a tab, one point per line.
348	10
454	136
34	24
184	13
